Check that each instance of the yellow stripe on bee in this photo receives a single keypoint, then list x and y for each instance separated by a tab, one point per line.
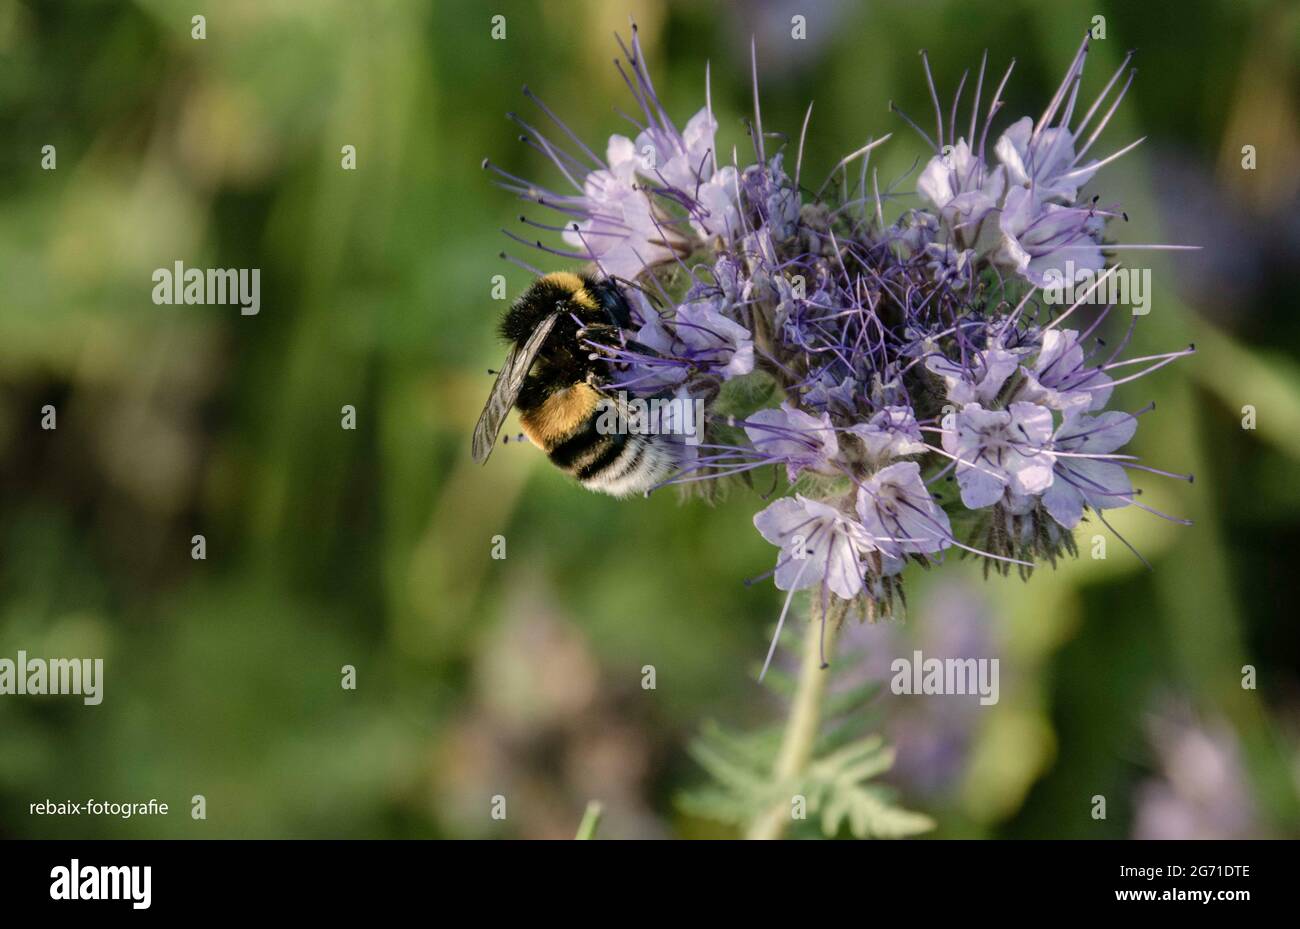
572	283
559	416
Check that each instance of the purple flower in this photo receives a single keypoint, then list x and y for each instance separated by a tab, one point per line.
915	229
728	276
980	380
1043	161
680	160
1000	450
696	339
685	162
624	231
890	433
964	190
1039	238
1060	378
770	193
950	266
626	212
831	394
834	344
898	513
820	545
798	439
1079	480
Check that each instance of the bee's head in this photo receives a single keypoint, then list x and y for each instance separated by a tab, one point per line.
610	296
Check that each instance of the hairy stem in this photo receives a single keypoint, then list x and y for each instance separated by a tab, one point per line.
805	715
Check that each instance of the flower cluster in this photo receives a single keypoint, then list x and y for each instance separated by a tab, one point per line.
905	374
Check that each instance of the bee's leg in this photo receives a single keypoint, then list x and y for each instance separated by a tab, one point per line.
609	334
641	348
598	332
601	336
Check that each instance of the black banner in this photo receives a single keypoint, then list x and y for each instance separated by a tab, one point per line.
78	879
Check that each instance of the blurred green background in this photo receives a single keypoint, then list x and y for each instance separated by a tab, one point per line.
523	677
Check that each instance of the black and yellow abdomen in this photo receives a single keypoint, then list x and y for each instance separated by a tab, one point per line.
566	425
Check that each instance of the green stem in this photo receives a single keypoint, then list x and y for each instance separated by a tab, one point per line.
590	821
805	716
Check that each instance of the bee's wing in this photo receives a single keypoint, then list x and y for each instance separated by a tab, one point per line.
505	390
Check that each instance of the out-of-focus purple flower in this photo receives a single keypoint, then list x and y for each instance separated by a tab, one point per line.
933	736
1203	791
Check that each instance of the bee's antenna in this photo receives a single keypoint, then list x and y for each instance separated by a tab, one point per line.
635	286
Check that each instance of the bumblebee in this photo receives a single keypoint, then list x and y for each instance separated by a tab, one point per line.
558	383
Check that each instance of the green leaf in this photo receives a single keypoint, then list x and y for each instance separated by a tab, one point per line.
871	816
742	396
728	768
712	802
836	787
